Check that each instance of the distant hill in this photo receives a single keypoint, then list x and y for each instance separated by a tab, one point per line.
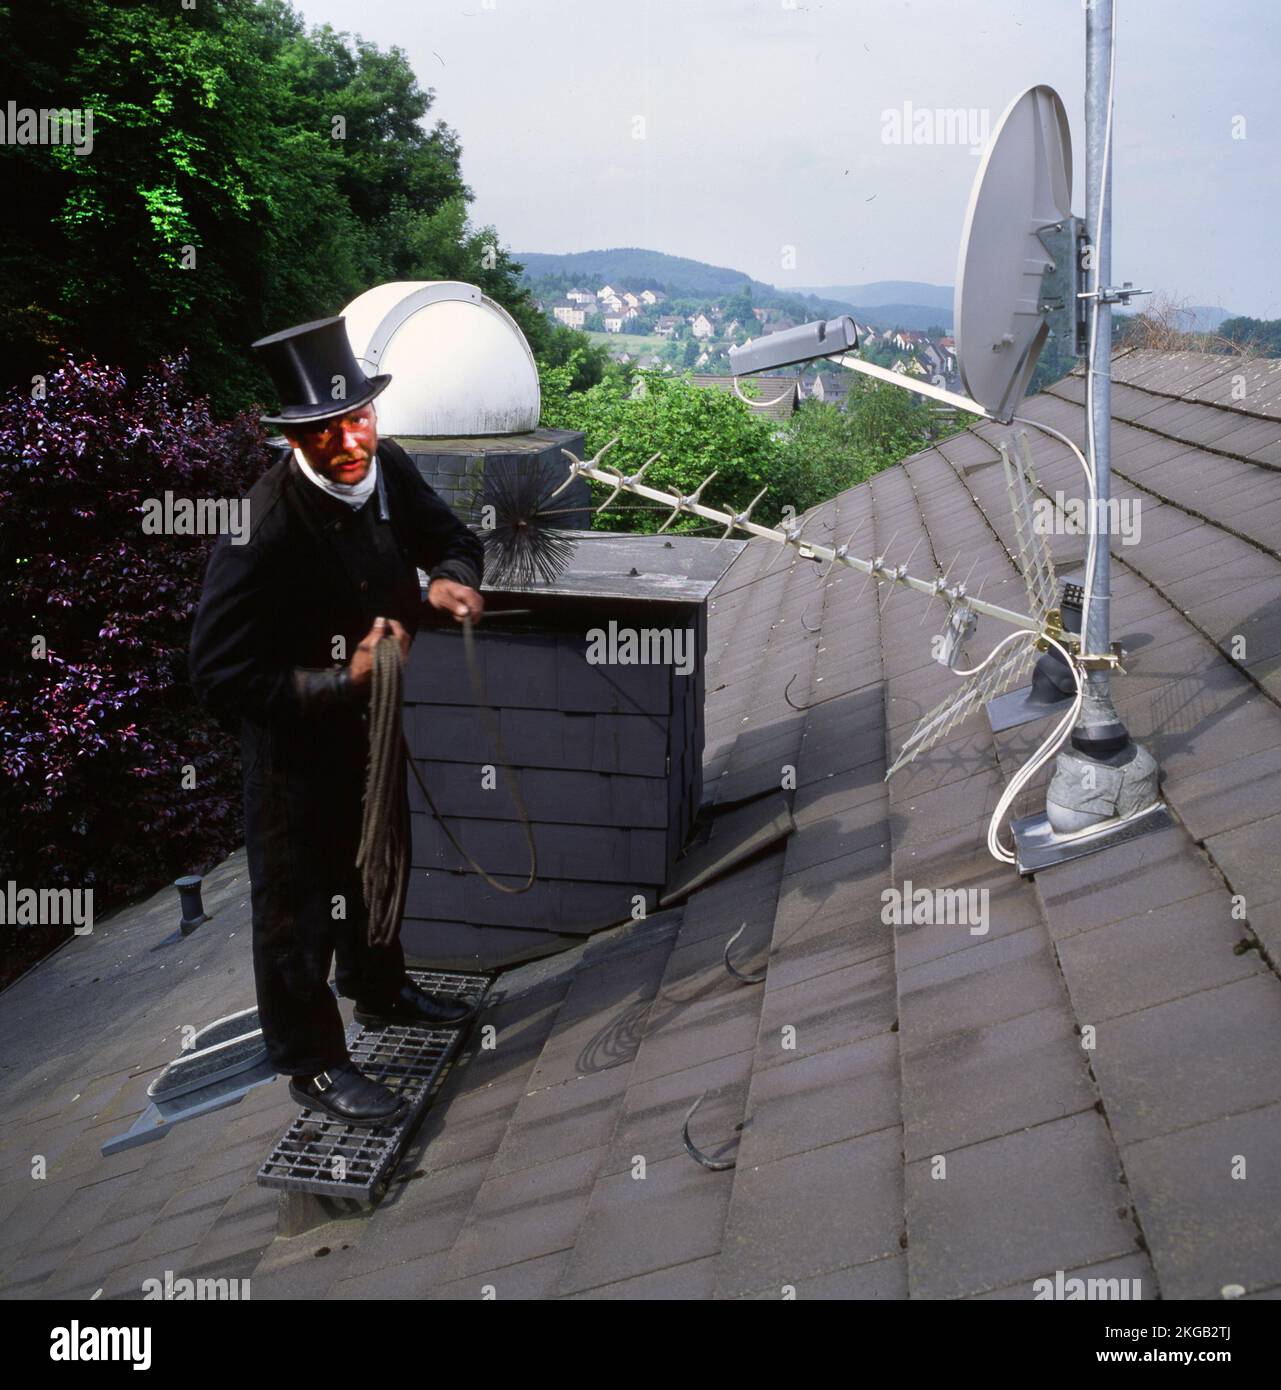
910	304
638	269
914	316
887	294
634	267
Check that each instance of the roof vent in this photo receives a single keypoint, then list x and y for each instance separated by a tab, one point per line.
224	1060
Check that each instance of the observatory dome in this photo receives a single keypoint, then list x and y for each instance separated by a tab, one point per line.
458	361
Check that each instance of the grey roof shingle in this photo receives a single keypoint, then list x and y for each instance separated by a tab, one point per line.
1086	1067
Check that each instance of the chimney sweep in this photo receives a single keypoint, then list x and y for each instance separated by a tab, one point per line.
338	527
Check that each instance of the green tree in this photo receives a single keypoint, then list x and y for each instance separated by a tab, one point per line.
590	360
827	449
1260	336
694	431
822	454
245	175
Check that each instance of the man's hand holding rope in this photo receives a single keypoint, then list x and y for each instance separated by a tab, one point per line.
458	600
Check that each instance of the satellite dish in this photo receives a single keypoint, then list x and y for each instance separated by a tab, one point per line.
1023	186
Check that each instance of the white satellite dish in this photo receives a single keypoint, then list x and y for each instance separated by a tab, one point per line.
1023	186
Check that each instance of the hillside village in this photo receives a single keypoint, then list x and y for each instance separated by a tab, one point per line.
667	335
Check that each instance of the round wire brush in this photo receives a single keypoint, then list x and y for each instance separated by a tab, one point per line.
519	520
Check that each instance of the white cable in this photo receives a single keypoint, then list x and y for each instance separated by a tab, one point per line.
987	660
1020	778
1042	755
1092	492
1034	764
755	405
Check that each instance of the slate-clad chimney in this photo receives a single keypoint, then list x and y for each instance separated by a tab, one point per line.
608	757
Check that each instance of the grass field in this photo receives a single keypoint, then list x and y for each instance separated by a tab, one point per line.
635	343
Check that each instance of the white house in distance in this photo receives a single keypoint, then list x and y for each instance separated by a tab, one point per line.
905	340
701	326
649	297
830	389
571	314
581	296
613	322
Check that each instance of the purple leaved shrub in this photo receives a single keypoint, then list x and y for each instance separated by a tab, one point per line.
111	776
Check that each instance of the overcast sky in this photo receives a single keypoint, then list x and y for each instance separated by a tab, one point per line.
762	126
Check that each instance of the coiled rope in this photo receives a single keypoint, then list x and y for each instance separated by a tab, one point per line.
384	852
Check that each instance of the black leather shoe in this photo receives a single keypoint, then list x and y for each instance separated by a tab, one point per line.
345	1093
414	1005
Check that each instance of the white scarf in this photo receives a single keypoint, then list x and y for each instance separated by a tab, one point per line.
354	494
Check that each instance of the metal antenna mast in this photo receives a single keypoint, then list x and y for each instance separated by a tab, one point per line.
1100	722
1104	783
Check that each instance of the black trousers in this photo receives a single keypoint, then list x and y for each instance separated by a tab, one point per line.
302	829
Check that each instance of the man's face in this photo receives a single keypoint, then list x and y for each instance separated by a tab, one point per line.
340	449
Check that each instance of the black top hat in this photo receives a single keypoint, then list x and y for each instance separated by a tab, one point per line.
315	373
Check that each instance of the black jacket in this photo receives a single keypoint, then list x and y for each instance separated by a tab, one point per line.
299	594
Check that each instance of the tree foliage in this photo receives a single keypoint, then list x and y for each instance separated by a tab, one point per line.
801	462
97	723
1258	337
245	175
695	431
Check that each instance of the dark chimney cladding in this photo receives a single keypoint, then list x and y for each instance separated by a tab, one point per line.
599	693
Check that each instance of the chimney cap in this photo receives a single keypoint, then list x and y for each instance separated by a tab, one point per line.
667	568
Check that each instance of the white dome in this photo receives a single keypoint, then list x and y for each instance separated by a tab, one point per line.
458	361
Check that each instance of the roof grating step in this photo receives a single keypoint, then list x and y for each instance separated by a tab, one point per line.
325	1157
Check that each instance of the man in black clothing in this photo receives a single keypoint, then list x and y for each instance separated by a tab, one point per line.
337	531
